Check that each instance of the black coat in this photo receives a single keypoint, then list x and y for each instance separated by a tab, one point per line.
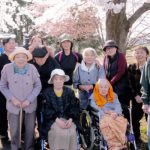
134	76
45	70
66	106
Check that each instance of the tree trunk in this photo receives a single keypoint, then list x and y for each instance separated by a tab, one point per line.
117	25
117	28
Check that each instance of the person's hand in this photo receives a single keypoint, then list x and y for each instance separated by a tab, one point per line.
114	115
89	87
138	99
16	102
97	63
61	123
68	123
83	87
25	103
145	108
50	51
86	87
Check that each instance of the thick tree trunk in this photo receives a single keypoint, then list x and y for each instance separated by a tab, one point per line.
117	28
117	25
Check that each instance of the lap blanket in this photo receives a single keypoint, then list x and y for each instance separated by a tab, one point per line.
114	131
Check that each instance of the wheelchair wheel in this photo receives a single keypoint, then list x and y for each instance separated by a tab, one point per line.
87	136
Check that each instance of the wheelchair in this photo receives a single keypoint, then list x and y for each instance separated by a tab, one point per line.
91	137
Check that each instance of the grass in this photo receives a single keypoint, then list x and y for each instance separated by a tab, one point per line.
143	129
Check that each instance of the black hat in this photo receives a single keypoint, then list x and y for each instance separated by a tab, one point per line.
39	52
110	43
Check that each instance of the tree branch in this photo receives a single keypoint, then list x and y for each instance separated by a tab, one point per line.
145	7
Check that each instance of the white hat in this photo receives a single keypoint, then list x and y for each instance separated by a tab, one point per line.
59	72
20	50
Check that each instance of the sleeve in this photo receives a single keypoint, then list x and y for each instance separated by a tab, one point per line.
80	58
76	78
117	104
145	90
102	72
36	87
74	111
1	64
56	64
4	85
49	116
94	105
57	58
130	74
122	65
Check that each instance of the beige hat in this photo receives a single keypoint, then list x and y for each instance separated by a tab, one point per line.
19	50
59	72
65	37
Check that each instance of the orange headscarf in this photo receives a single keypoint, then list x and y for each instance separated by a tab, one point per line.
99	99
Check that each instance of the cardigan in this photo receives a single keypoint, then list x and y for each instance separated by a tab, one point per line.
23	87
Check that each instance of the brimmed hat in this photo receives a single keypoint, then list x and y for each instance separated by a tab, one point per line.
59	72
110	43
39	52
20	50
65	37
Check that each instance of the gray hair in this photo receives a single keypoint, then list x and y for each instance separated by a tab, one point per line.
89	49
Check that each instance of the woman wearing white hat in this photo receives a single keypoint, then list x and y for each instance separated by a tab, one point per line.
20	84
61	113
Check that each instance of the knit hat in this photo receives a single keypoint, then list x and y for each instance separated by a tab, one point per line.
109	43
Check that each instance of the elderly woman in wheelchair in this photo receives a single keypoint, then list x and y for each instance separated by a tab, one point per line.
112	125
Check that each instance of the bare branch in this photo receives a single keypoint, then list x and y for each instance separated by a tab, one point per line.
145	7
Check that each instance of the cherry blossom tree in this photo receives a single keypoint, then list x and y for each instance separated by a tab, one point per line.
80	24
15	18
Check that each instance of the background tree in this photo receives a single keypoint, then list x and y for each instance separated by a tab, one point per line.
117	22
15	18
81	23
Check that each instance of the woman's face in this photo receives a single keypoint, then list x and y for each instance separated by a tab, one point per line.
89	57
103	88
20	60
37	41
111	51
10	46
58	81
66	45
140	55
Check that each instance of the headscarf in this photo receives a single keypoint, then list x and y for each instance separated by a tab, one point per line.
101	100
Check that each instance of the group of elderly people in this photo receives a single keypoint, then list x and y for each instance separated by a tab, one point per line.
34	80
